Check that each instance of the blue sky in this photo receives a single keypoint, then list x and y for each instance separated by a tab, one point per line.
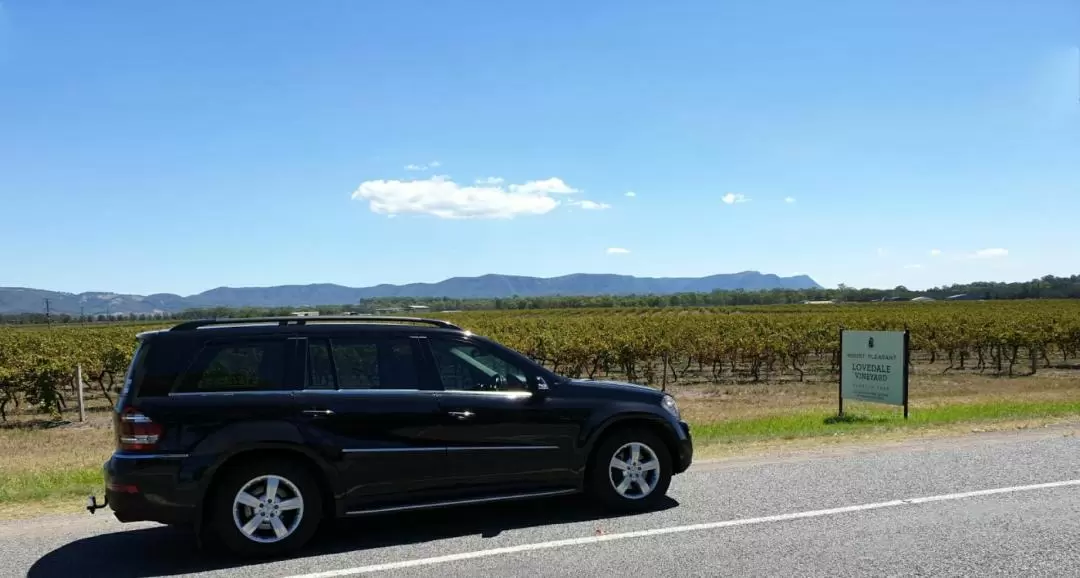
179	146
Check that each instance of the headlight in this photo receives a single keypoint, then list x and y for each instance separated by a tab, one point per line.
669	404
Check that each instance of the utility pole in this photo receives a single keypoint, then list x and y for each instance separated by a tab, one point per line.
48	318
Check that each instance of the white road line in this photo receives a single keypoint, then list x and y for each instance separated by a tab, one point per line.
674	530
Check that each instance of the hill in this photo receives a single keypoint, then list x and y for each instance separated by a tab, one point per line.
25	300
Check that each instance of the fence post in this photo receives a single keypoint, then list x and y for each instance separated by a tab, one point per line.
79	385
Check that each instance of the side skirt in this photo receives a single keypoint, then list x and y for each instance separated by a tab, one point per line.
463	502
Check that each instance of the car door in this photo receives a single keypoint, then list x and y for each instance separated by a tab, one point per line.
497	432
364	407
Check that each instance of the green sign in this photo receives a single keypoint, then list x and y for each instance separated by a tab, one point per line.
873	367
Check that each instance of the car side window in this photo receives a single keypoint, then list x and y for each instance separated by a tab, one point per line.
375	363
468	367
238	366
357	363
320	369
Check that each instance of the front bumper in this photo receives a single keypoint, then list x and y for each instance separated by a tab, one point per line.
145	488
685	449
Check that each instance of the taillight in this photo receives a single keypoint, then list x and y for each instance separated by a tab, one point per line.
137	431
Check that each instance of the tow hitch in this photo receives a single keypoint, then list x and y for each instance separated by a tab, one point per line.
92	505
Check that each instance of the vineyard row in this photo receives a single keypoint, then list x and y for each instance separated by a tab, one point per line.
656	346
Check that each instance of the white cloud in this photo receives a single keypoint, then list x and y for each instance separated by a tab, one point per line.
442	197
935	252
789	200
592	205
490	181
914	266
631	194
416	167
881	251
552	186
617	251
990	253
732	198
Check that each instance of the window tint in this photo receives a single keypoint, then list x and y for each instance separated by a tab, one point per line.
157	366
372	363
468	367
239	366
357	364
400	370
136	371
320	370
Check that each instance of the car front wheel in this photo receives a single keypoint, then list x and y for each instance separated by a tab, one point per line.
631	470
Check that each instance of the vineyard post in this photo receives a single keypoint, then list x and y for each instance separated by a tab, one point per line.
907	359
840	379
79	385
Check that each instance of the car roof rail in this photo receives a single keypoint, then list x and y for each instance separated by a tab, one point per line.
298	320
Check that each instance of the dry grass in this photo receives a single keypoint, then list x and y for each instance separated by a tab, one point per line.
712	403
43	463
69	444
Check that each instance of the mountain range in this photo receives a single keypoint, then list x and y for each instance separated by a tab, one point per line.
25	300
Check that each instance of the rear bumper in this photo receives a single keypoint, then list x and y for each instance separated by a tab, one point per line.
147	488
685	449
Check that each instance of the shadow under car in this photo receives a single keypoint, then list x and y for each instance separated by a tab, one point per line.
167	550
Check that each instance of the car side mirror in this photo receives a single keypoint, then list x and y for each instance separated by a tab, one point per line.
538	385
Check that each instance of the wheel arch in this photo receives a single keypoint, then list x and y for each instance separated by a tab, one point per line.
320	471
652	423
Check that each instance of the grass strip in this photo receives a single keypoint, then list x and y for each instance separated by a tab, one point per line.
816	423
50	484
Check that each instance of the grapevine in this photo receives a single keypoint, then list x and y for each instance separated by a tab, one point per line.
662	347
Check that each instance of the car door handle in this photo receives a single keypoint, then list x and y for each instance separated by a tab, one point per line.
318	412
461	415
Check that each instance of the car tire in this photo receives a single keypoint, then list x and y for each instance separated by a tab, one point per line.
625	489
286	521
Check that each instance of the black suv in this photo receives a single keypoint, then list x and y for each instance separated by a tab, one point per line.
256	430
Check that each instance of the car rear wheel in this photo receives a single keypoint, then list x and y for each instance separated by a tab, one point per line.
630	470
266	508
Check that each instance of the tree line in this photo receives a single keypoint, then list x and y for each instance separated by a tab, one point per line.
1048	287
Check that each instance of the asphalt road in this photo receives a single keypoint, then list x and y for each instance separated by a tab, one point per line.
840	512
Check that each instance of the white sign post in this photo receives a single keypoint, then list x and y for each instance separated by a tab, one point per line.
874	367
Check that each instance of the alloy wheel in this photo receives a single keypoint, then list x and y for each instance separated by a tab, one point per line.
634	471
268	509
